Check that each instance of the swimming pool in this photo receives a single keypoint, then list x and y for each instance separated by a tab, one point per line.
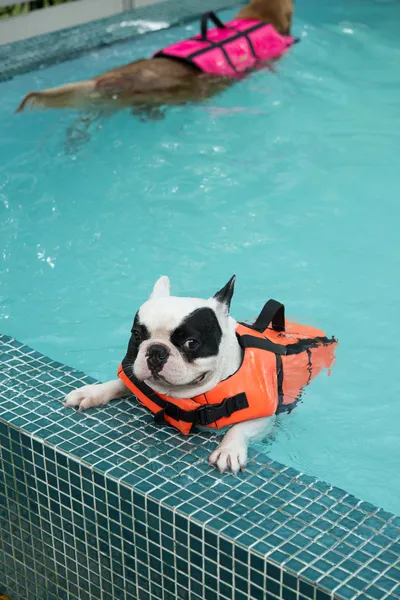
289	180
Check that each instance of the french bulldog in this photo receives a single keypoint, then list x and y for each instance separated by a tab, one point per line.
183	347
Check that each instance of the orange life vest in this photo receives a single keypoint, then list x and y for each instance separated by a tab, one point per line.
279	359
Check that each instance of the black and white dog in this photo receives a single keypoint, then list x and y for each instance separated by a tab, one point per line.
199	349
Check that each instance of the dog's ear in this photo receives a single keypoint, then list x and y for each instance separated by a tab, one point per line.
224	296
161	288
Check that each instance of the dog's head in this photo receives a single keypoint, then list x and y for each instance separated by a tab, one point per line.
278	13
183	346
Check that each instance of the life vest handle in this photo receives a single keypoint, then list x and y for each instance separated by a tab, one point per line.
272	314
204	23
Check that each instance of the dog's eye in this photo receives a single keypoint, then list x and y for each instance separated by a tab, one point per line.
191	344
137	336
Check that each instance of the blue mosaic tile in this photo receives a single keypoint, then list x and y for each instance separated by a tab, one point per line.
135	522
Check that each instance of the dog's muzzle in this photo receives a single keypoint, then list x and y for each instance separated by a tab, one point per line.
157	355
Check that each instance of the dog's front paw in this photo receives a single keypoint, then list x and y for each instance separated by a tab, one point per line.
86	397
231	456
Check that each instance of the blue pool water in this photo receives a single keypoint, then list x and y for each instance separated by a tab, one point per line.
290	180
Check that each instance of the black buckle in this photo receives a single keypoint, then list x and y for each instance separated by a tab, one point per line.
238	402
205	415
210	413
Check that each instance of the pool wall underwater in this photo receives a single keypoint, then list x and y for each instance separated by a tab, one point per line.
106	505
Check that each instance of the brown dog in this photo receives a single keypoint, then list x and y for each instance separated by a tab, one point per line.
154	82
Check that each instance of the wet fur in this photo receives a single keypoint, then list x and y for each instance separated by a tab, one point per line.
154	82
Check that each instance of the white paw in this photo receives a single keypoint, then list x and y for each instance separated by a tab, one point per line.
86	397
229	457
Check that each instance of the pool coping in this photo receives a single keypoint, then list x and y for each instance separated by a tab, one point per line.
283	533
50	48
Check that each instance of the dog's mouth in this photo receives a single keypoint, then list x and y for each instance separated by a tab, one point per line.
199	379
156	378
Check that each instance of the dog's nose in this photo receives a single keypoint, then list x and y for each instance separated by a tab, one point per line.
157	356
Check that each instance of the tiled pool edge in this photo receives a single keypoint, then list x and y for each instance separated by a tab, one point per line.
104	509
36	52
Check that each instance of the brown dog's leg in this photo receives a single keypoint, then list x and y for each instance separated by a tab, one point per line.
155	81
71	94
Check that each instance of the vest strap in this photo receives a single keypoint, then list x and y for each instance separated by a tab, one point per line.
205	415
304	345
272	314
251	341
213	44
213	17
204	24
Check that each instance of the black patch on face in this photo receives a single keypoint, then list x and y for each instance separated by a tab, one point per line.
139	334
201	326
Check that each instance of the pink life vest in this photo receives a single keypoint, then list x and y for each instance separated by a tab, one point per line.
230	49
